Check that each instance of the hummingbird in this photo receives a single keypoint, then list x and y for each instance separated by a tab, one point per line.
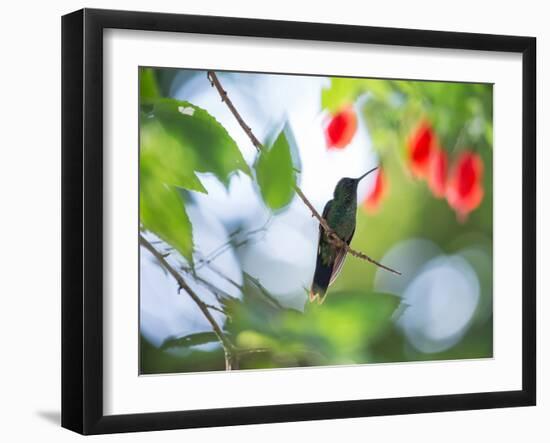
339	213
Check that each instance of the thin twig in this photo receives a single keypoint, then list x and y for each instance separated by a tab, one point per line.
230	357
209	258
460	137
215	308
332	237
272	300
220	295
254	351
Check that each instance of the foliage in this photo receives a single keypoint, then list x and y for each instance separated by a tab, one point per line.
330	334
275	174
459	112
148	88
179	142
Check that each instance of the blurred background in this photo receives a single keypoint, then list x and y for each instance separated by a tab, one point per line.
227	219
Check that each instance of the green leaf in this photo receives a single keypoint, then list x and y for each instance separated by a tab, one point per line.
162	211
163	166
275	174
148	88
205	144
342	91
163	157
347	324
198	338
156	361
348	319
178	139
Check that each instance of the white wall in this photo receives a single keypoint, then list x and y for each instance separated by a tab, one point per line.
30	219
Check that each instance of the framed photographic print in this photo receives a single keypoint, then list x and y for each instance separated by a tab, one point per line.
270	221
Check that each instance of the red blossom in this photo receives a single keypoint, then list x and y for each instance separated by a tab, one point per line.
379	191
341	128
437	175
465	186
421	145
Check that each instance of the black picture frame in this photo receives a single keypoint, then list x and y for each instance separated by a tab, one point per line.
82	219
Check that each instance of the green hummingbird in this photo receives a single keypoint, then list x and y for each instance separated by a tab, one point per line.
339	213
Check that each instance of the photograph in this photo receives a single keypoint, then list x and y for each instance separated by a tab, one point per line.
303	220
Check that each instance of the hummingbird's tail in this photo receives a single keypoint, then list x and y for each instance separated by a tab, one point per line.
321	280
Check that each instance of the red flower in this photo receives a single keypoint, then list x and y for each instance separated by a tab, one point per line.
421	145
341	128
437	176
465	187
381	187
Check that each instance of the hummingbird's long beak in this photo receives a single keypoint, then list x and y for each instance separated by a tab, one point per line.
366	173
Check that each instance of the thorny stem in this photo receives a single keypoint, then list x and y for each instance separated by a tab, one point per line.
332	237
231	358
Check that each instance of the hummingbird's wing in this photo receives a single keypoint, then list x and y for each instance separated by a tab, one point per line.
323	270
326	210
339	260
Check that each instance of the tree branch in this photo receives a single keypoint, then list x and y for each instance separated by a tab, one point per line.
231	361
332	237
